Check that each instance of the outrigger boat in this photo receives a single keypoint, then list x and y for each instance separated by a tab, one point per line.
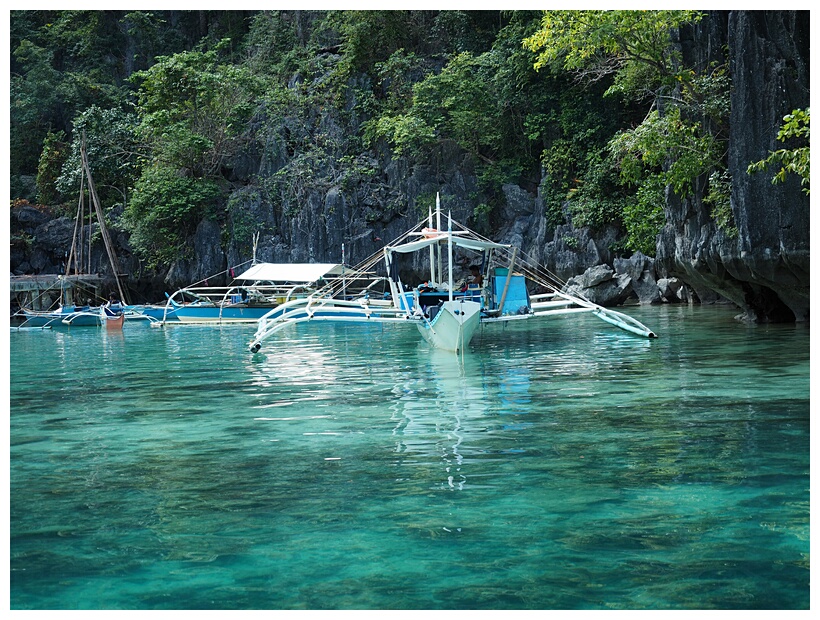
79	316
446	315
251	295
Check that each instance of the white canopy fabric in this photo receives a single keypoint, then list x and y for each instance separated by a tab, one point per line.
441	237
290	272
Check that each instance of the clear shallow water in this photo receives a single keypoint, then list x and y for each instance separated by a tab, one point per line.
570	466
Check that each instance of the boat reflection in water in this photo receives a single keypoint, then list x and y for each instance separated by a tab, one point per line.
443	417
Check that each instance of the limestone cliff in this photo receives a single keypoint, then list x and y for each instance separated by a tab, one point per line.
765	268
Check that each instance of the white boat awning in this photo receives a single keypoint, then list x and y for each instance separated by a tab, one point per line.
290	272
441	237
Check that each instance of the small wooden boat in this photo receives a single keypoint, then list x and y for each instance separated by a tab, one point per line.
114	322
113	316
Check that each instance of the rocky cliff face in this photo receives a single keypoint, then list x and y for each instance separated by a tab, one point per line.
765	268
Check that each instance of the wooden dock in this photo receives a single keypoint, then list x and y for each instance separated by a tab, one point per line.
43	291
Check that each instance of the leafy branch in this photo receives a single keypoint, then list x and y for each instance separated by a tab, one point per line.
794	161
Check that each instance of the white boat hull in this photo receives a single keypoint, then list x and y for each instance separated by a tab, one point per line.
453	326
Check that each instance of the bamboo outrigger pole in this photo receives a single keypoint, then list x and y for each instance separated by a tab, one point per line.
76	254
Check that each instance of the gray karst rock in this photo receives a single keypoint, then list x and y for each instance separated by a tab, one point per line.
601	285
764	268
641	271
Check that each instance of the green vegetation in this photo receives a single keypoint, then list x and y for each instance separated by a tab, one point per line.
165	209
681	138
795	160
113	155
183	109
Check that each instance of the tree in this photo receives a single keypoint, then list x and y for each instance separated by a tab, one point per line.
194	110
35	105
194	114
164	211
491	103
114	154
599	43
51	162
64	62
365	38
683	135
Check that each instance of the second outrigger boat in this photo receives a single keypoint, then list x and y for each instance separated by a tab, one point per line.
446	313
251	295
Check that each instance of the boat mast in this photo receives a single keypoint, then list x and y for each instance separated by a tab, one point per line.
344	280
450	253
432	252
75	255
109	246
438	247
90	236
388	265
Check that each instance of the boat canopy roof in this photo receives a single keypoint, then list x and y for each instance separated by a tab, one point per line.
441	237
290	272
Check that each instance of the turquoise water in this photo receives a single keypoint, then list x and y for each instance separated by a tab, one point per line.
569	466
